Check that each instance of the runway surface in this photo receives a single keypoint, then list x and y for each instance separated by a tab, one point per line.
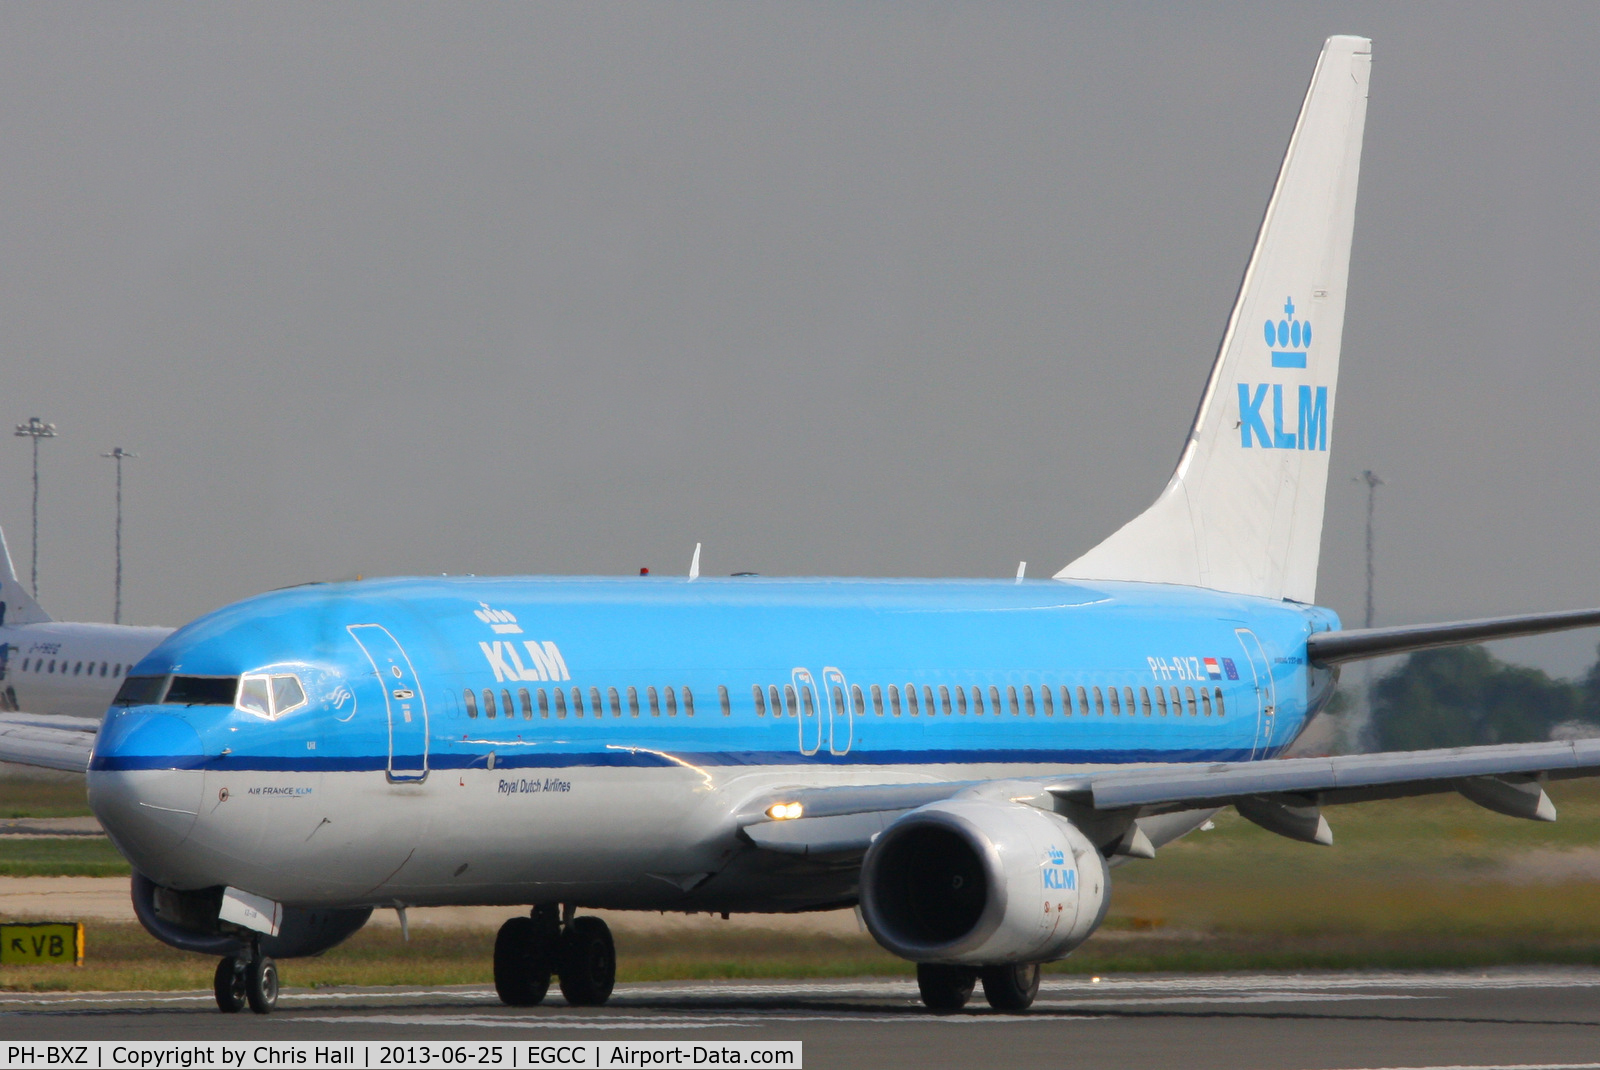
1518	1018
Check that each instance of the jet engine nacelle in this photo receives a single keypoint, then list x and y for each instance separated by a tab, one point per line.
188	921
981	882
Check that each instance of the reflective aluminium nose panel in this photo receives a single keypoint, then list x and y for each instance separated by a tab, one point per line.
145	784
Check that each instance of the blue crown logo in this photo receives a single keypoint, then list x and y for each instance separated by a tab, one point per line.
1057	858
1288	338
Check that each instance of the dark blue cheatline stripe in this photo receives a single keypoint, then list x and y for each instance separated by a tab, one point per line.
622	758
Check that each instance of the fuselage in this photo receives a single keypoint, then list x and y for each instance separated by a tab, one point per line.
417	741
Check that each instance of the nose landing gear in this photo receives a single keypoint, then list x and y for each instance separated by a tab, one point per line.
228	985
247	979
529	951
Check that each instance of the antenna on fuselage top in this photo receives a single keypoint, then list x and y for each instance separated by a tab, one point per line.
694	563
1022	567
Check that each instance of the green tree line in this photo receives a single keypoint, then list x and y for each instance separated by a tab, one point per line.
1464	696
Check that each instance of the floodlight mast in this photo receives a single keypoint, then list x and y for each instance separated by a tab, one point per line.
118	454
1370	478
35	429
1373	482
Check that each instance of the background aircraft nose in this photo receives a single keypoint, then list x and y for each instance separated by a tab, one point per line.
146	783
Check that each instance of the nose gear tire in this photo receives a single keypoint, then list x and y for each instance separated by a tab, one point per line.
261	984
228	986
588	963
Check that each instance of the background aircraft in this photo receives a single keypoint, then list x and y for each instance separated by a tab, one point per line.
964	759
57	676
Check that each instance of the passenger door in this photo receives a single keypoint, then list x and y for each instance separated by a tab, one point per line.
403	697
841	716
1266	694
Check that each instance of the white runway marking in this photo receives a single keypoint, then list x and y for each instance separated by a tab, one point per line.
1258	997
779	997
289	996
433	1021
1492	1066
1076	986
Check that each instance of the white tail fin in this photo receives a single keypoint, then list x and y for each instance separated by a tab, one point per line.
16	604
1243	511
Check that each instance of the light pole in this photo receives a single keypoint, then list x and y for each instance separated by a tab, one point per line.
36	429
119	455
1370	478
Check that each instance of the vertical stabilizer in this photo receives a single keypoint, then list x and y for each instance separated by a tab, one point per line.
19	606
1243	511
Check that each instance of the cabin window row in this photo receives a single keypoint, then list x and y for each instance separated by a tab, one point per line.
1086	701
79	668
792	701
561	703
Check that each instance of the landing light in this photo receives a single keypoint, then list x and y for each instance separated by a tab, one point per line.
784	811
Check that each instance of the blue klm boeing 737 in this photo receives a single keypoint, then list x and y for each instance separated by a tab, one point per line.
963	759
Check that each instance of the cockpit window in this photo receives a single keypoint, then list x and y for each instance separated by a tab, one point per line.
202	691
287	694
254	696
140	691
270	696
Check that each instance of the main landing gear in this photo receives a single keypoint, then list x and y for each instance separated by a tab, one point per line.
579	951
946	989
249	978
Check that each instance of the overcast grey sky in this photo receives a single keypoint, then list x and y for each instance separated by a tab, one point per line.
909	289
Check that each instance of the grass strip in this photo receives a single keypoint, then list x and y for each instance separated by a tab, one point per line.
124	957
63	856
66	797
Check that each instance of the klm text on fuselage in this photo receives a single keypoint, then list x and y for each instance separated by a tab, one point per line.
1310	431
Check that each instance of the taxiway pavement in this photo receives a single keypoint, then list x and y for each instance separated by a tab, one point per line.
1502	1018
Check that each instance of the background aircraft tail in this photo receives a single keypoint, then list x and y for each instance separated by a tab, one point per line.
20	608
1243	511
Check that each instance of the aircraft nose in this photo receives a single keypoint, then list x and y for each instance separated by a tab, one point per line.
145	785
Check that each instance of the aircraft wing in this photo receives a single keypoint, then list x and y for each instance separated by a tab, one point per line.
1284	795
47	740
1346	779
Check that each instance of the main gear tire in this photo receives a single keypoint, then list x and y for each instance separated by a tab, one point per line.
588	964
1011	988
521	963
945	989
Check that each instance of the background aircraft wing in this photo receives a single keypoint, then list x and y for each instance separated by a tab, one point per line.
1352	644
47	740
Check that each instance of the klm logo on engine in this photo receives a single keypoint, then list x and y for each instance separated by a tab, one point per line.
1288	340
1057	874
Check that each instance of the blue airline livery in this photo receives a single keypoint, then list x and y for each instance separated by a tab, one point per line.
405	676
964	760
